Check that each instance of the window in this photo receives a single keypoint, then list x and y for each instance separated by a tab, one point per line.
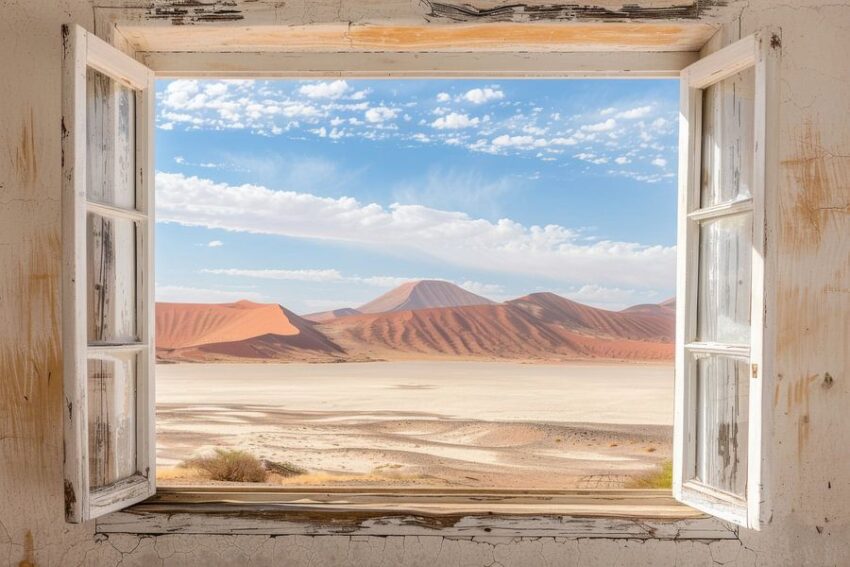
108	302
720	367
107	285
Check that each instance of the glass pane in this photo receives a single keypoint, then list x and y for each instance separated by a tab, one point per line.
111	251
722	420
725	265
110	141
112	418
728	142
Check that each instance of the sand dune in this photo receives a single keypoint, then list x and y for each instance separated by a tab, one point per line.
628	324
324	316
536	327
423	294
198	331
521	330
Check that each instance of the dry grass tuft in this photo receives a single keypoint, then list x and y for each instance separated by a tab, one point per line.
284	469
662	477
230	465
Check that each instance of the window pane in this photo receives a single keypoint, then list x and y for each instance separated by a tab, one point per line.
721	433
112	418
728	139
725	265
111	268
110	141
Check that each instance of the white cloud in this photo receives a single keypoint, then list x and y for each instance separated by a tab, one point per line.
443	97
609	124
315	276
480	96
550	251
485	289
660	162
332	89
633	113
380	114
622	160
215	244
607	111
180	294
614	298
290	275
505	140
454	121
591	158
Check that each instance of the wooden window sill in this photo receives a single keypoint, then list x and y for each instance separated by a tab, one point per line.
634	514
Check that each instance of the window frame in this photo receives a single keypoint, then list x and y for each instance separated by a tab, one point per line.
758	51
83	51
517	64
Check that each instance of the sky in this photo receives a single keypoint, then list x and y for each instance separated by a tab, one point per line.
319	195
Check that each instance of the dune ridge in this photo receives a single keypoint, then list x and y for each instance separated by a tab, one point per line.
244	329
423	294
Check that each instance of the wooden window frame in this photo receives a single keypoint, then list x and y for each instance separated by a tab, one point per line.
752	51
757	51
84	51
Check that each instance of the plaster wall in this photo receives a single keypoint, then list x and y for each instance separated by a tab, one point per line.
808	481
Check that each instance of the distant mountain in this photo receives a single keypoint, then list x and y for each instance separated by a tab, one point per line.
200	331
324	316
423	294
536	327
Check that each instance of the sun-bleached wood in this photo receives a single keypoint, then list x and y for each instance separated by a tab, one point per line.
259	510
182	64
108	445
760	52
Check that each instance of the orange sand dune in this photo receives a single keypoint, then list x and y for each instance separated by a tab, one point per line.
628	324
423	294
198	331
540	326
324	316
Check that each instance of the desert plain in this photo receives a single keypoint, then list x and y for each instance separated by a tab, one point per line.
431	424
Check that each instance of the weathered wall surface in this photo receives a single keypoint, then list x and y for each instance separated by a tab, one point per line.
809	485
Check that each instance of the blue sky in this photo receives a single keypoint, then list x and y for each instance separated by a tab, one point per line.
324	194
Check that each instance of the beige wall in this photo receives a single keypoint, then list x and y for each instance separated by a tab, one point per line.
809	482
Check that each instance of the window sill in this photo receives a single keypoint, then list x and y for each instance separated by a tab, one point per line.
632	514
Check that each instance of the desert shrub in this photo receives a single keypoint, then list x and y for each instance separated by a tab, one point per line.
662	477
230	465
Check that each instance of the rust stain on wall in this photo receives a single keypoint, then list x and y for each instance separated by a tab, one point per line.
29	551
822	180
24	161
520	12
30	356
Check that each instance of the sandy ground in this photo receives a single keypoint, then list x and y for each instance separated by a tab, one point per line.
431	424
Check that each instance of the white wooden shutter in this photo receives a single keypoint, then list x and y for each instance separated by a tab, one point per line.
728	138
107	293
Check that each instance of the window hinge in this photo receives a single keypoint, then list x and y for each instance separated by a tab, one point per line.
755	367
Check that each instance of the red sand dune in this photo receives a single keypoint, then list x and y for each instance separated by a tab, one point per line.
638	324
539	326
423	294
324	316
200	331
